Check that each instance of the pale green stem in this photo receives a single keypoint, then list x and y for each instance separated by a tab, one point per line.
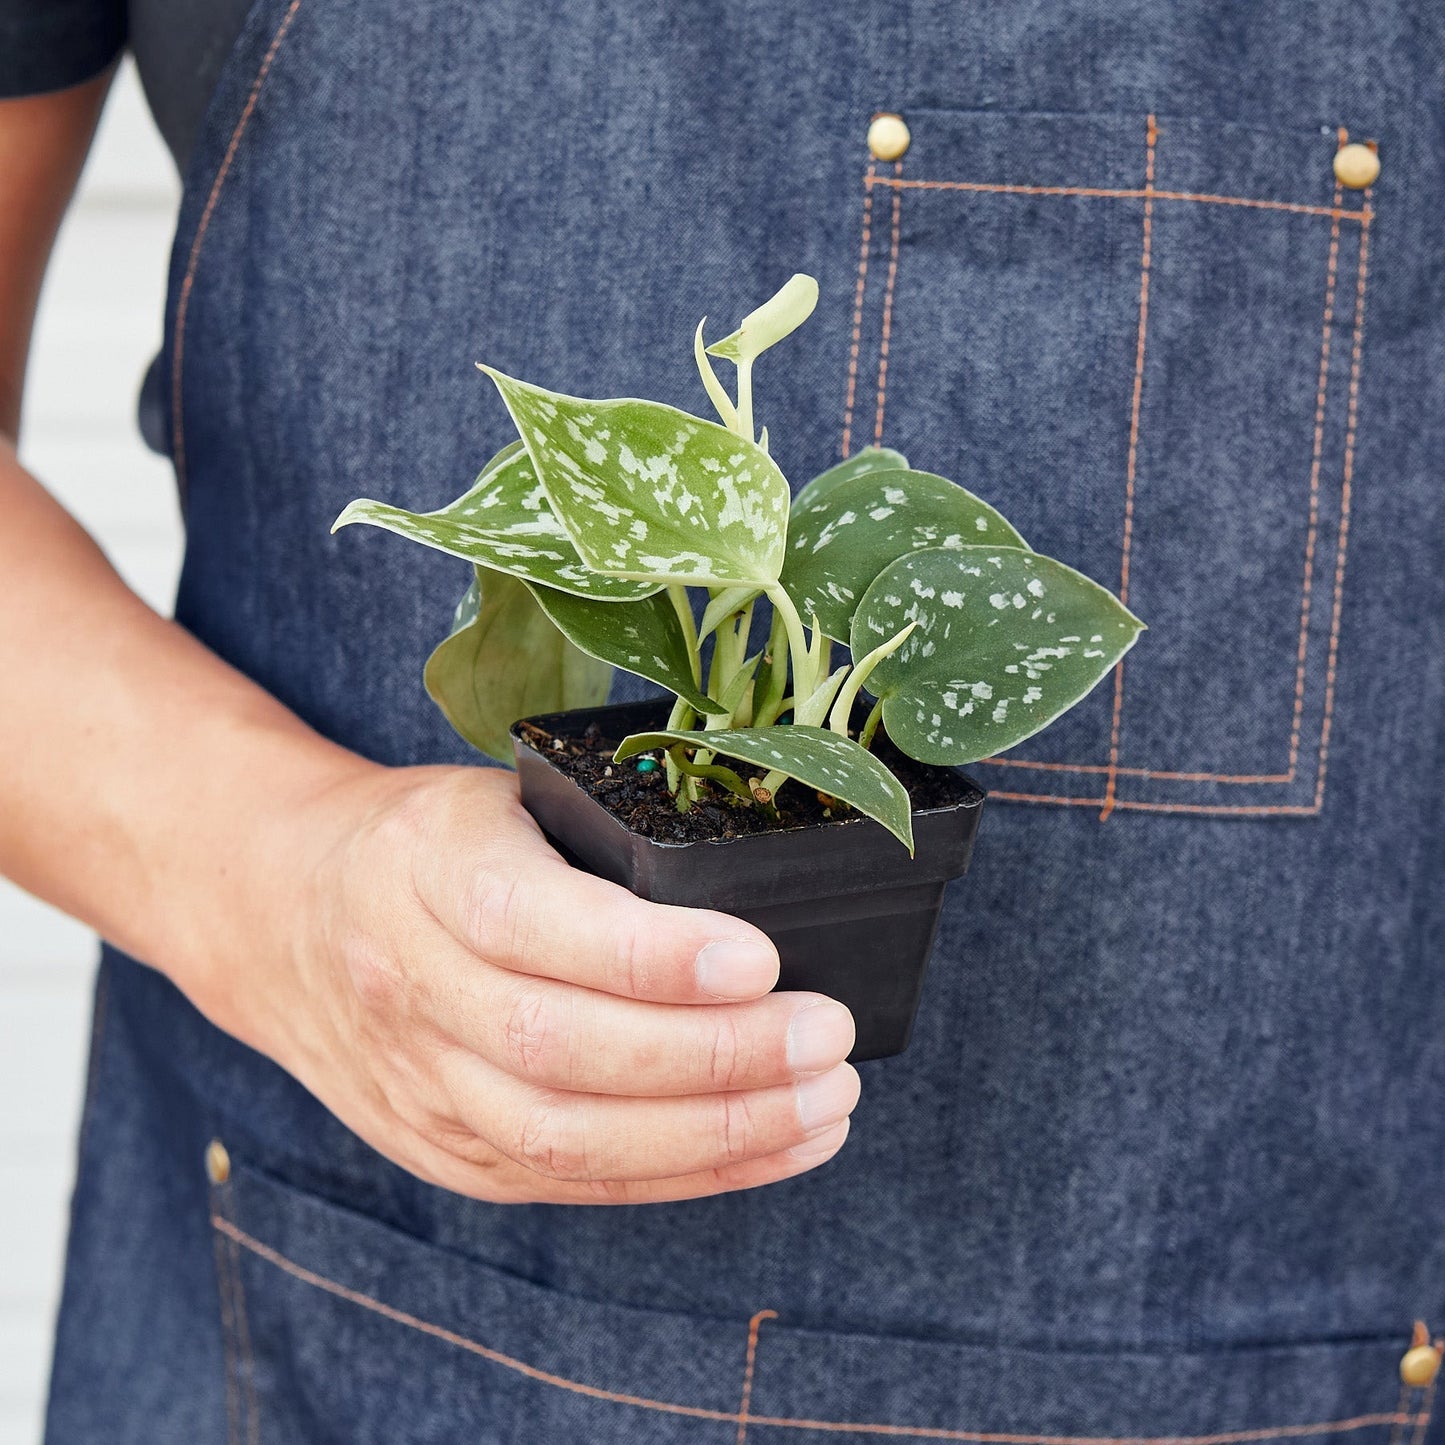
725	409
724	776
803	683
738	652
870	725
843	707
745	398
679	718
682	605
765	713
771	783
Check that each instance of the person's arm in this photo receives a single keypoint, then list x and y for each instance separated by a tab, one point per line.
402	940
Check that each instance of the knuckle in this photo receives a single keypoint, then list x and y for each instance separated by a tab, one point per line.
375	978
728	1057
532	1037
631	970
738	1130
551	1141
495	911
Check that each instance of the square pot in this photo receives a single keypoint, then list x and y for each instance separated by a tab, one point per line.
852	915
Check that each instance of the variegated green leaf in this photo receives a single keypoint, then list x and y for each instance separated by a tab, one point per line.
503	522
870	459
1006	641
839	542
652	493
643	637
505	660
816	757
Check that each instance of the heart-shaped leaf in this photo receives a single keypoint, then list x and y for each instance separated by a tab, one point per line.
504	660
1006	641
839	544
652	493
503	522
816	757
643	637
870	459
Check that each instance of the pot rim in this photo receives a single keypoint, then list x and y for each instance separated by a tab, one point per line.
974	799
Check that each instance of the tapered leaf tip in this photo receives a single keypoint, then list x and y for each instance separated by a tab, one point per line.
350	514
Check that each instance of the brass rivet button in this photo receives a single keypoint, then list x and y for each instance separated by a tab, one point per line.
888	136
1420	1366
1356	166
218	1162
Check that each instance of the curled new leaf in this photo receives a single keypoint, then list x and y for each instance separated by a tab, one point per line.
779	316
1005	641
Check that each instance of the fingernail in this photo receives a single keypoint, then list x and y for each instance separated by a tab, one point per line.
819	1036
821	1145
736	968
828	1097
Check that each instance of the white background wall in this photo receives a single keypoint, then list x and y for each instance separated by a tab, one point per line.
99	324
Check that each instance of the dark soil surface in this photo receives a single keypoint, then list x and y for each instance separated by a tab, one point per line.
642	802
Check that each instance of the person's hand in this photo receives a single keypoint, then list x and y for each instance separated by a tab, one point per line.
506	1026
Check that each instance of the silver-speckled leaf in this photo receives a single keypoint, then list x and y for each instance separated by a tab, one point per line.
643	637
870	459
1006	641
652	493
504	660
839	542
503	522
816	757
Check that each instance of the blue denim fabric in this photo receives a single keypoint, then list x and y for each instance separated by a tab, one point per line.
1164	1156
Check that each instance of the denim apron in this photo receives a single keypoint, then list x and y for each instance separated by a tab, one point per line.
1164	1160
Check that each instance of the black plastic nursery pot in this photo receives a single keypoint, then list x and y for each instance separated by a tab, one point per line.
852	915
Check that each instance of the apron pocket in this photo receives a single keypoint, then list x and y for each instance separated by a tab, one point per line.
1141	338
341	1329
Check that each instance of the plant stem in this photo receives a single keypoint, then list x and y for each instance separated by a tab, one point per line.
745	398
679	718
770	785
767	708
714	774
870	725
713	386
682	605
803	683
843	706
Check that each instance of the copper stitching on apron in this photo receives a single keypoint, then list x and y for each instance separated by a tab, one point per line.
223	1289
1131	470
754	1325
887	333
1125	193
248	1358
1337	212
847	1427
1342	552
858	293
183	302
1316	453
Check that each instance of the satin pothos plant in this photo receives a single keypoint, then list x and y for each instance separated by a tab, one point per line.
592	534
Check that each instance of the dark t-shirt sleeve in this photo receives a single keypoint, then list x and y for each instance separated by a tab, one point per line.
51	44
